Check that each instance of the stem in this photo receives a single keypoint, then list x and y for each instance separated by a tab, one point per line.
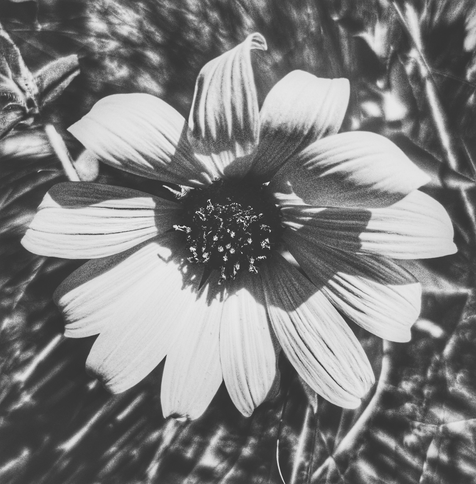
351	439
410	23
61	151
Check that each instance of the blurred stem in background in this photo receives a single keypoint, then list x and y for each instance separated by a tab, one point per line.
409	20
59	147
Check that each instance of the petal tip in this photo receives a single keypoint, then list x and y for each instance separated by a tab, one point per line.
28	242
351	404
258	41
245	408
192	414
343	86
452	249
73	127
117	387
113	385
404	338
424	178
68	333
25	241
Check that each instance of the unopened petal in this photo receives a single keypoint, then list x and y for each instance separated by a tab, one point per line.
224	119
143	135
247	352
192	373
374	292
354	169
416	227
145	321
89	220
300	109
314	337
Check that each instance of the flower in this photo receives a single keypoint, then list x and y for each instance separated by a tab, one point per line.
283	229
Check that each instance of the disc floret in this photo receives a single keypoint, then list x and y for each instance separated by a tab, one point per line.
231	226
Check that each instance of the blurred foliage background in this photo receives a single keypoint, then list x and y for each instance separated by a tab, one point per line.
412	67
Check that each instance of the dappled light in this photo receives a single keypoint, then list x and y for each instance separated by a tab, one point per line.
411	68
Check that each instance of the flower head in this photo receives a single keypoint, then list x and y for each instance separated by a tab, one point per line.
284	228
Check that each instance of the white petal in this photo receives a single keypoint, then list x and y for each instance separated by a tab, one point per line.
192	373
416	227
374	292
355	169
88	220
224	119
314	337
299	109
89	296
141	134
247	352
145	321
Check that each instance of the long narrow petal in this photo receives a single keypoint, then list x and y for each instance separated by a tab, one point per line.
355	169
416	227
89	296
300	109
314	337
247	352
145	321
192	373
141	134
88	220
374	292
224	119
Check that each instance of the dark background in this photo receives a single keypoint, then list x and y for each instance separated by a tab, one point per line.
412	68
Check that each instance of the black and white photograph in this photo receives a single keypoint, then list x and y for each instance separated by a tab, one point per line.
237	242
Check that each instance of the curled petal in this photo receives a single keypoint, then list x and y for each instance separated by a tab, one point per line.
314	337
416	227
300	109
375	292
192	373
89	220
247	352
224	120
141	134
354	169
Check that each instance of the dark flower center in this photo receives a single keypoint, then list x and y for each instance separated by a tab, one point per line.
231	226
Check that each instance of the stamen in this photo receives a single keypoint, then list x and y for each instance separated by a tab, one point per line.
230	226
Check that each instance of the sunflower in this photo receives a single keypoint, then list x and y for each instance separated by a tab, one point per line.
281	229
